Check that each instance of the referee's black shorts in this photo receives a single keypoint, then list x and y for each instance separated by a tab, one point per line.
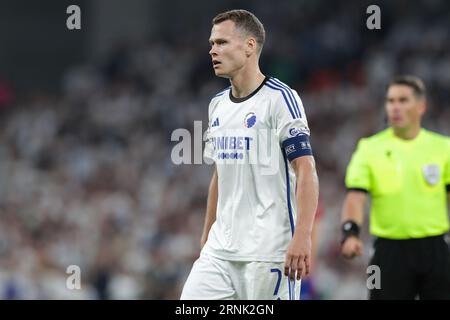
413	268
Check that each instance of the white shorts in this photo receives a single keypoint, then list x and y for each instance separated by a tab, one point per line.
216	279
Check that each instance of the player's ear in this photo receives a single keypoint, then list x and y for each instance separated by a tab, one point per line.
423	106
251	46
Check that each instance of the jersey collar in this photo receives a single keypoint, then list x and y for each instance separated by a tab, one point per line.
239	100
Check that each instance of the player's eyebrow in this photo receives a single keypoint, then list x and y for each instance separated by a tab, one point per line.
217	40
401	98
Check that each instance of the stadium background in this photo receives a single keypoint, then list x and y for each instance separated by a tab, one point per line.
86	118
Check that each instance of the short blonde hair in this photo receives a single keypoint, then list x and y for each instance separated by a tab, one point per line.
415	83
245	21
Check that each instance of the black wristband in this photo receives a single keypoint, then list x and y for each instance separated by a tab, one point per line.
349	228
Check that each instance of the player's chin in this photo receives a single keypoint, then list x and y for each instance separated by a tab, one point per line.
220	73
398	124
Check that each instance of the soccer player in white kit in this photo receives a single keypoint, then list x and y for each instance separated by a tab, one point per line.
256	241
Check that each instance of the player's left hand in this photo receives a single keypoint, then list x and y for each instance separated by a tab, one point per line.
298	256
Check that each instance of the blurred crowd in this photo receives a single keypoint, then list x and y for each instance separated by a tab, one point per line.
86	176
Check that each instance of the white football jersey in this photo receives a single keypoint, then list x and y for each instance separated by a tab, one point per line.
251	140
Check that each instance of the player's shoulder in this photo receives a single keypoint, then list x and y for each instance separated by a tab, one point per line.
222	93
217	98
377	139
278	87
284	96
436	138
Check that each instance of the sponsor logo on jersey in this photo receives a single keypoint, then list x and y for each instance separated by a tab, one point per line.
294	132
250	120
231	143
231	147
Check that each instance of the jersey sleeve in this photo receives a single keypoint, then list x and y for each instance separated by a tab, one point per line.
358	171
291	125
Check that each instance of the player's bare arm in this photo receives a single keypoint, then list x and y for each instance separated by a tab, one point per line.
353	210
298	254
211	207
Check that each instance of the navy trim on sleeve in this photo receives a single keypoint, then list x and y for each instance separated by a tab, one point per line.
297	146
358	189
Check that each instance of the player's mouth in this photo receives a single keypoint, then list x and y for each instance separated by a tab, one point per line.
216	63
396	119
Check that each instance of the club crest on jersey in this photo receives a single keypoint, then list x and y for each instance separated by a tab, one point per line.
250	120
431	174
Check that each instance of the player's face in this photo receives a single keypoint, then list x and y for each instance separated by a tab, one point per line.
403	107
228	47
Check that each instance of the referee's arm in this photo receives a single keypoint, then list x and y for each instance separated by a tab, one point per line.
352	219
358	183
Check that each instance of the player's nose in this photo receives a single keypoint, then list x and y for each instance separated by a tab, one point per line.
212	51
397	106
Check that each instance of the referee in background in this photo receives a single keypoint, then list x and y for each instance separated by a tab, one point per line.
406	171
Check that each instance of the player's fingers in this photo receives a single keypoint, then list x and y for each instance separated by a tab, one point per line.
356	248
349	252
359	249
300	268
294	265
346	251
352	248
307	265
354	251
287	265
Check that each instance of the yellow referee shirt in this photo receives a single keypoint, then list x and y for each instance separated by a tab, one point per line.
407	181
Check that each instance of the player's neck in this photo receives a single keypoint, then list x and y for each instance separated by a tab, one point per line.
409	133
247	81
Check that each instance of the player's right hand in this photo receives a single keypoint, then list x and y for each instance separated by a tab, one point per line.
352	247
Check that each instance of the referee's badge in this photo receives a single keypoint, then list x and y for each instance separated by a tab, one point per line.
431	173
